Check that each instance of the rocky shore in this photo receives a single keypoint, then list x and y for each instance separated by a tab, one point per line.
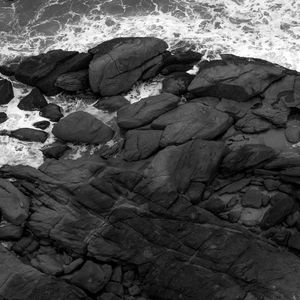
198	198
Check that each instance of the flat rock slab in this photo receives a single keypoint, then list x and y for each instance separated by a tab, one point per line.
235	78
82	127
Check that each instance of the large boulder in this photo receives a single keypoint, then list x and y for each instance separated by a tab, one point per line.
119	63
6	91
146	110
82	127
235	78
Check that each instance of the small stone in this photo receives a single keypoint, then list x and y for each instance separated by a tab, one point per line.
232	202
10	232
117	274
42	124
51	111
252	198
271	184
292	219
294	241
134	290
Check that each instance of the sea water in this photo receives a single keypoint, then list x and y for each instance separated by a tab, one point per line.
268	29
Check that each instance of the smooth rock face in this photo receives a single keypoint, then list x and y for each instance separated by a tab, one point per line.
33	101
119	63
27	135
82	127
3	117
146	110
52	112
6	91
235	78
112	104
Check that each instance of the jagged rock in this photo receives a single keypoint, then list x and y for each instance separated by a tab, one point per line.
14	205
41	124
140	144
119	63
55	150
91	277
73	81
6	91
3	117
33	101
236	78
47	264
27	134
252	124
281	206
82	127
52	111
189	121
10	231
248	156
43	70
292	131
112	104
146	110
177	83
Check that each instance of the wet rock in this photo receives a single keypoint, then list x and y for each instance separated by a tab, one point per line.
115	288
235	78
177	83
27	135
41	124
33	101
215	205
55	150
43	70
189	121
14	205
91	277
146	110
3	117
248	156
253	198
52	111
175	68
182	57
74	265
281	206
82	127
73	81
10	232
47	264
6	91
112	104
119	63
252	124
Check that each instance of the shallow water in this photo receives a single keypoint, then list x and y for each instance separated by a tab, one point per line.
268	29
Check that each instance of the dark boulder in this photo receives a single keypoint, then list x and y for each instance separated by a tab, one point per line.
10	231
55	150
140	144
177	83
73	81
182	57
6	91
41	124
82	127
27	134
176	68
119	63
112	104
51	111
33	101
3	117
146	110
235	78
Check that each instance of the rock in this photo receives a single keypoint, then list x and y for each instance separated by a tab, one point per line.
14	205
294	241
33	101
146	110
215	205
112	104
27	134
134	290
245	157
252	124
253	198
119	63
6	91
292	131
91	277
43	70
236	78
117	274
189	121
74	265
108	296
175	68
140	144
115	288
47	264
41	124
251	216
10	232
82	127
73	81
271	184
182	57
52	111
281	206
235	186
177	83
55	150
3	117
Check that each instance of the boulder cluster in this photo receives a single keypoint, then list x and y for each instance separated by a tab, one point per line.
199	198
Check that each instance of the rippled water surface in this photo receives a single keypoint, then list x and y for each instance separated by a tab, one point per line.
268	29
